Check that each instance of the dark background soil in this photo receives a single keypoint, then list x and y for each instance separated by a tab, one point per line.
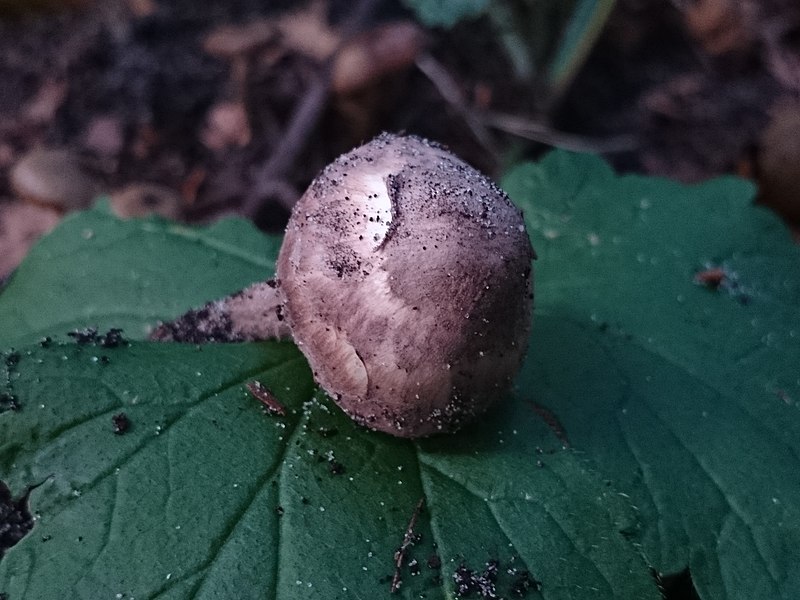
689	89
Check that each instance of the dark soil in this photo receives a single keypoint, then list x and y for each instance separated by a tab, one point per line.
664	75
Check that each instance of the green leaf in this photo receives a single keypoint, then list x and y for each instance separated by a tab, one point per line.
446	13
95	269
686	397
206	496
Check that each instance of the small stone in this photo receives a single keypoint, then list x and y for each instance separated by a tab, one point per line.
54	178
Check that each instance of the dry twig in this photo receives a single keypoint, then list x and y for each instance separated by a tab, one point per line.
449	90
272	175
538	132
408	538
479	122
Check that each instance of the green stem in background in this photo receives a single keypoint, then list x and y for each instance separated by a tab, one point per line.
515	43
547	41
580	34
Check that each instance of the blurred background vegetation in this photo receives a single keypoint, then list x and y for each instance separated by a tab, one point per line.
196	111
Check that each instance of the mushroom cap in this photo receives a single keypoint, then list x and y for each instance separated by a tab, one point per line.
407	281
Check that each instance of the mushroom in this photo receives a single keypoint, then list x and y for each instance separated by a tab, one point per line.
405	277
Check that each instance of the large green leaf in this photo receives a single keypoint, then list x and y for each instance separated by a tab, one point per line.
208	497
98	270
685	396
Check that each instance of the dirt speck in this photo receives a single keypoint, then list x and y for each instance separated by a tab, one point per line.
8	401
711	278
523	583
487	584
121	423
335	467
15	518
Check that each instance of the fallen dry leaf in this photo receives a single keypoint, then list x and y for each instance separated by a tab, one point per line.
372	55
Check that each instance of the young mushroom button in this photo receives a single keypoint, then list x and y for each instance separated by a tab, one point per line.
406	281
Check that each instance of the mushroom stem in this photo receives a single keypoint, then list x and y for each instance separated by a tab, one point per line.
252	314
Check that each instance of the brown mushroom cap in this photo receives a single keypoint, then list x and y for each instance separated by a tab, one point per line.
407	280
